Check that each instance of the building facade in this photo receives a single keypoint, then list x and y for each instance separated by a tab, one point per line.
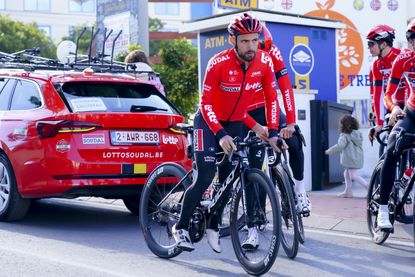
55	17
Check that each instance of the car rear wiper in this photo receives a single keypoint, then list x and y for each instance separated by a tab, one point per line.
135	108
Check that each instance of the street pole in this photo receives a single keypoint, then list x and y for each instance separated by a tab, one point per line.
143	36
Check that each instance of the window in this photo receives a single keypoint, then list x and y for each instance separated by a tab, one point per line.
110	97
86	6
37	5
2	4
45	29
26	96
7	86
167	8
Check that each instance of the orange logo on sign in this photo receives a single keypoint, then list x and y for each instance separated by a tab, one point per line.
349	42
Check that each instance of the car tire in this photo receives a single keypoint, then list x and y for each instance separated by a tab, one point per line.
132	203
12	205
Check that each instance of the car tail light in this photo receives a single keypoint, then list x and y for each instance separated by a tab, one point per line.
177	129
47	129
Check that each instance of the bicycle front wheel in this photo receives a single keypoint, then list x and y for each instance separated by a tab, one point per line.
373	198
160	208
289	220
263	217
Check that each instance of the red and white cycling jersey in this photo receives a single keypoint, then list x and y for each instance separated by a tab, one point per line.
380	73
403	66
284	85
228	89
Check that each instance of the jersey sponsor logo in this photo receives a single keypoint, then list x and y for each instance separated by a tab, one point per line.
256	74
230	89
232	79
255	86
233	72
403	56
288	100
274	109
207	87
209	159
211	114
217	61
276	53
198	139
301	59
266	59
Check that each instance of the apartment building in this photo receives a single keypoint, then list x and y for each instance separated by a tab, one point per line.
55	17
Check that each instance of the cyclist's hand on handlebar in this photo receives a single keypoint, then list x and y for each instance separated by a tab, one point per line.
374	131
288	131
261	131
274	144
396	112
227	144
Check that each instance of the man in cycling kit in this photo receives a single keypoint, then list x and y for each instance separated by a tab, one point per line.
380	43
232	76
404	65
287	129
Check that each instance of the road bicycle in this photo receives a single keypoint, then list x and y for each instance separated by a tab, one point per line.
401	207
160	208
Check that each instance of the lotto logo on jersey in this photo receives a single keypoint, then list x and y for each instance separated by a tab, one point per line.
276	53
266	59
198	139
254	86
211	115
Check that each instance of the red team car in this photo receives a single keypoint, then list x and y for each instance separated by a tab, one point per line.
70	133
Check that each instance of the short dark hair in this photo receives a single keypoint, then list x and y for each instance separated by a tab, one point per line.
348	123
136	56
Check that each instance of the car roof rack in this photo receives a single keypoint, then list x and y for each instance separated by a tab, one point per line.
30	59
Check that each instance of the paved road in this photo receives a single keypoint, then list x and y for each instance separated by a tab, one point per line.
100	238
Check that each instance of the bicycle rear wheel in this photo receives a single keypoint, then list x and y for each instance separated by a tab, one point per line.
160	208
256	261
289	220
373	197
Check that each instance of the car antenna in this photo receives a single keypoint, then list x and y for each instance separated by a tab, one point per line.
103	44
77	43
93	35
113	46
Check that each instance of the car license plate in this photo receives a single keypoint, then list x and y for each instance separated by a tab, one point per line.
134	137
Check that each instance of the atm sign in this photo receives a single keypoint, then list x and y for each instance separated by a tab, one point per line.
238	4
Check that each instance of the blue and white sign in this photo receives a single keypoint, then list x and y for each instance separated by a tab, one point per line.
301	59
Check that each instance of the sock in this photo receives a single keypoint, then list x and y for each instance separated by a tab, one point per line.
383	208
299	186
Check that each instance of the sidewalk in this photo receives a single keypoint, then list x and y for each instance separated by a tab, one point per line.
348	215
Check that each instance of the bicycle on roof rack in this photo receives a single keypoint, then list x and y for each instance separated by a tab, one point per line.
70	60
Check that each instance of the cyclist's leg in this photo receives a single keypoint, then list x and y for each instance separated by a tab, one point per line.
387	172
295	149
205	145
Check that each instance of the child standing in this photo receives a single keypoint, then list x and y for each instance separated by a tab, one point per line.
351	153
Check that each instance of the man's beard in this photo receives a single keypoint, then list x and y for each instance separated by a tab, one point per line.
248	57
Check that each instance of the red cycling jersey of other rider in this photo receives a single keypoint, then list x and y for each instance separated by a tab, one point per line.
404	65
379	76
228	89
284	85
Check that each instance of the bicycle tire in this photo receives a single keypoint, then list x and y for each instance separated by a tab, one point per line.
378	236
289	220
259	181
155	217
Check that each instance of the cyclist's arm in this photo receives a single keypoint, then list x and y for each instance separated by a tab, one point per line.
377	94
284	83
271	100
372	88
393	84
210	87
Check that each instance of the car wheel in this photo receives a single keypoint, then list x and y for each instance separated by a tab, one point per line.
132	203
12	205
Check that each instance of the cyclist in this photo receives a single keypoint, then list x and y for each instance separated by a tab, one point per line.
380	43
232	77
287	129
404	65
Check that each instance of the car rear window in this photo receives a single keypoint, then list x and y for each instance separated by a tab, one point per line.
114	97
